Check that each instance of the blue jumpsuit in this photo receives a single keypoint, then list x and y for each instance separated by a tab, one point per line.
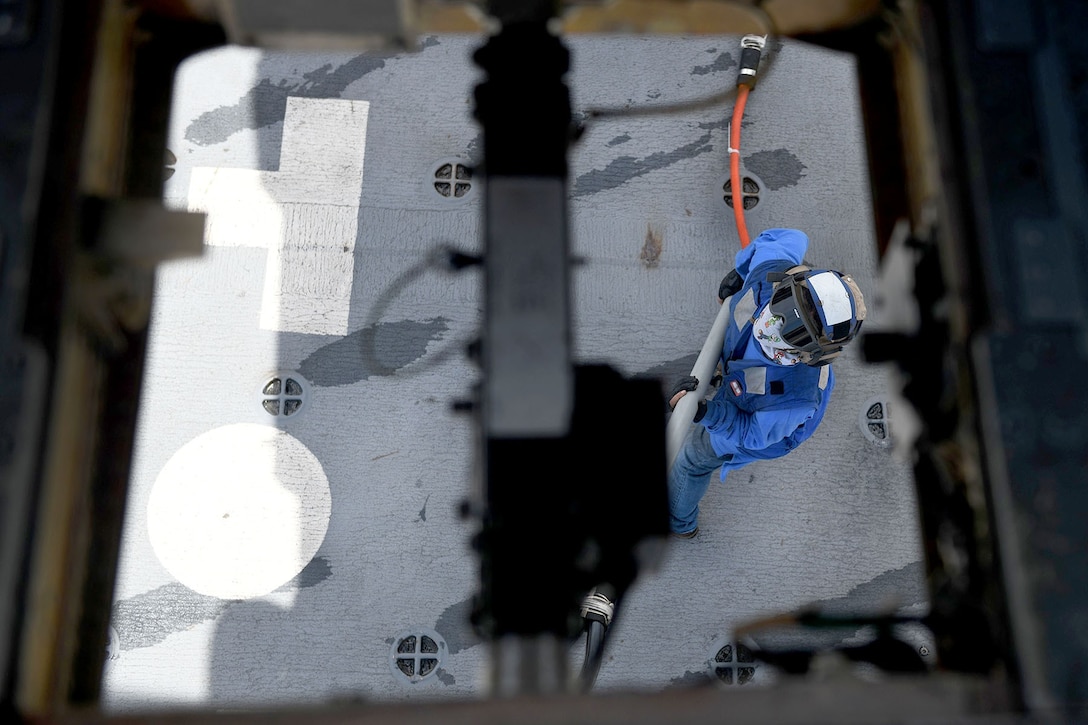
762	410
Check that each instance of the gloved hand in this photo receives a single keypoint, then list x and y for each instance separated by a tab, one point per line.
685	384
730	285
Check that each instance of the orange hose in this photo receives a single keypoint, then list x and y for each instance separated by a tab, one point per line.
734	165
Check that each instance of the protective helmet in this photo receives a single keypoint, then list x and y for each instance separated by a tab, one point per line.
823	311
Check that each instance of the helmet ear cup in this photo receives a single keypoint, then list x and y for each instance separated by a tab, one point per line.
859	306
859	299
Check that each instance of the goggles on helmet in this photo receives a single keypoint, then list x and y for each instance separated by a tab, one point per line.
822	310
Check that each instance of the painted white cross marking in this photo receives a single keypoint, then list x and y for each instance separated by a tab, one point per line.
305	214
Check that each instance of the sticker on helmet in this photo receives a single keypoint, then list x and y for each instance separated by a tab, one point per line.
832	296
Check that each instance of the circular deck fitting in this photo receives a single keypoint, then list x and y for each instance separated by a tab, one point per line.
751	189
284	394
874	421
732	663
452	180
416	655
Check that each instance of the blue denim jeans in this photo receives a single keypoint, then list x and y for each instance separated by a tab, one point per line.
689	478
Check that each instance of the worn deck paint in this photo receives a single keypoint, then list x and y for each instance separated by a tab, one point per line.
833	523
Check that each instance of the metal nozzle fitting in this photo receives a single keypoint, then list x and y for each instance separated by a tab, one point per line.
598	606
751	50
753	41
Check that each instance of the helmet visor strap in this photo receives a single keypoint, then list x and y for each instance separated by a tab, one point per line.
793	303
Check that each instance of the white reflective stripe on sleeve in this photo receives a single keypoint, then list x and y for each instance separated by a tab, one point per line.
755	380
825	375
833	297
744	309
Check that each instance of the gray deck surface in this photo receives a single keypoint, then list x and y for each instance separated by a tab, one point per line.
317	173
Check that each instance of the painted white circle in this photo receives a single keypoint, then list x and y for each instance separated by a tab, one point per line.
238	511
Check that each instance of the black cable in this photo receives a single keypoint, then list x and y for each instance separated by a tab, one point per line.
591	666
444	258
886	651
599	610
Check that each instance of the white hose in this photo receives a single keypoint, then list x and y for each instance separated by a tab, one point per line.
681	420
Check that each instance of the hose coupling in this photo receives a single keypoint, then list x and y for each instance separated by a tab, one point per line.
750	53
598	607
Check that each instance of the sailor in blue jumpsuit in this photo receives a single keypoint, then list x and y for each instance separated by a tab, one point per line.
788	323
